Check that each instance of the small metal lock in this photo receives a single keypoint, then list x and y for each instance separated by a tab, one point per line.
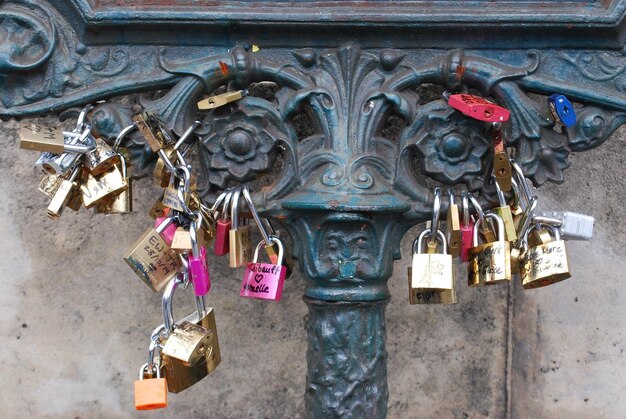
478	108
491	261
98	188
101	159
453	225
122	203
152	259
504	212
63	195
196	341
431	276
264	281
239	236
562	111
545	264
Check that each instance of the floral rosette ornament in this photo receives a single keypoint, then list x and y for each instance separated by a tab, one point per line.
242	144
452	145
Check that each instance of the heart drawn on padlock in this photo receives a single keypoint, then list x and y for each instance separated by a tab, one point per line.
258	278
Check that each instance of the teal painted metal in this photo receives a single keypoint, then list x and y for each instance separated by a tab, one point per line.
346	188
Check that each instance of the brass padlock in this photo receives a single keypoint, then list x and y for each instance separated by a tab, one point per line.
161	173
152	259
453	225
431	276
180	374
122	203
42	138
170	195
181	242
504	212
50	184
501	162
239	236
98	188
63	194
545	264
101	159
146	124
491	261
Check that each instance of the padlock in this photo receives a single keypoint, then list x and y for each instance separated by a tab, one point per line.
151	388
562	111
214	102
431	276
478	108
198	267
491	261
101	159
64	194
61	164
152	259
181	242
180	375
504	212
501	162
238	235
170	195
264	281
266	230
153	136
467	229
122	203
158	210
453	225
101	187
169	231
545	264
222	239
76	200
42	138
573	226
161	172
49	184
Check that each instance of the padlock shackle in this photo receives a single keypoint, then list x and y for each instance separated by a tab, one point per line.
224	215
82	117
180	152
193	234
166	301
479	210
434	226
81	143
423	235
465	207
500	235
123	133
234	209
501	197
273	239
255	216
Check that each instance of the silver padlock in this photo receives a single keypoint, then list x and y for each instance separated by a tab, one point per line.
572	226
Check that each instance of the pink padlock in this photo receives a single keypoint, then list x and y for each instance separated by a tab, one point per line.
264	281
168	232
467	229
198	267
478	108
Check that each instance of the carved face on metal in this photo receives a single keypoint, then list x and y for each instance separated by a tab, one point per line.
347	251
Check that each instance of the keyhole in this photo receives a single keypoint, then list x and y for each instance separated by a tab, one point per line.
488	112
201	349
211	102
565	109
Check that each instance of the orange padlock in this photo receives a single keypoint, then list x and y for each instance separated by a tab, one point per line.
150	393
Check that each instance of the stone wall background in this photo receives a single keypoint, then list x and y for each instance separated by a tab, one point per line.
75	320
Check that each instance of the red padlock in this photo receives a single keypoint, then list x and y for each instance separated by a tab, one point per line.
478	108
222	239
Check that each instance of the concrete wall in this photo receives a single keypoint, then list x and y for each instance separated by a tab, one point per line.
75	320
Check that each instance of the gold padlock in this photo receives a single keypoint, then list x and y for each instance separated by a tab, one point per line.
49	184
546	263
453	225
42	138
101	159
122	203
179	374
63	194
161	173
239	236
181	242
490	262
97	188
431	276
152	259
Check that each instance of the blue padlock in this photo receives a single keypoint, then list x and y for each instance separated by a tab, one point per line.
562	110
